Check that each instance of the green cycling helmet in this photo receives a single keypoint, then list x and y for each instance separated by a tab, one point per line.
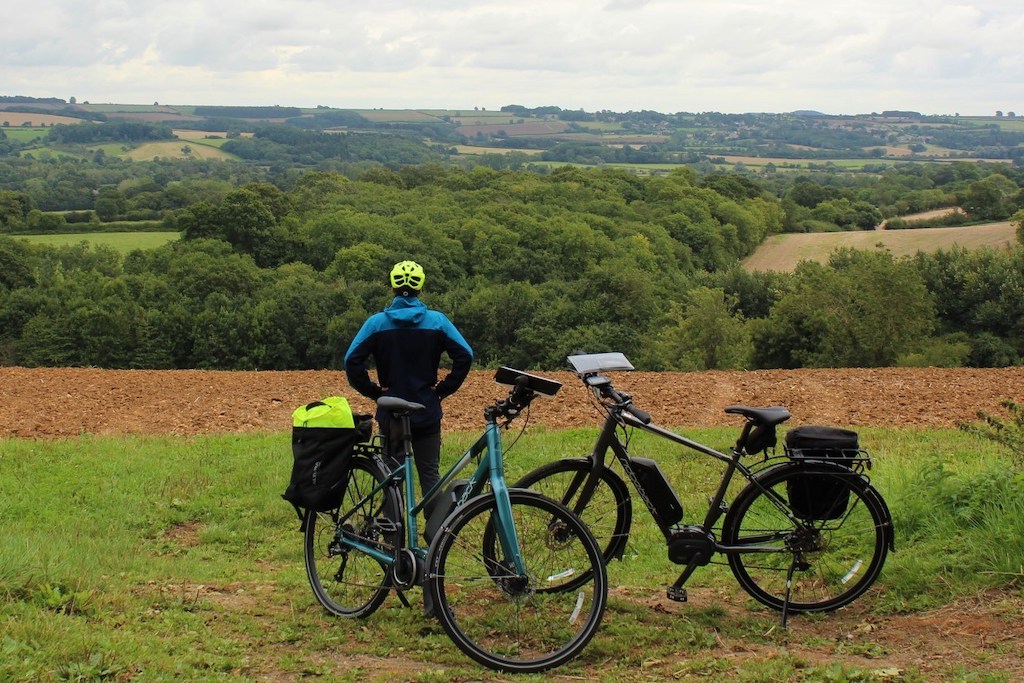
407	274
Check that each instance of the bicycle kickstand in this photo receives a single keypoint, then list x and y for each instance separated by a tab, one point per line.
785	600
676	591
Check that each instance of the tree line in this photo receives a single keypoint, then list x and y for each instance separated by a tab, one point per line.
530	266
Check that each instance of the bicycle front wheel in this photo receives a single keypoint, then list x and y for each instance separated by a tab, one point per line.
518	622
810	557
608	509
345	580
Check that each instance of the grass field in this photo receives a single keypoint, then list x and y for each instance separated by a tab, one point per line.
23	135
397	115
123	242
472	149
783	252
783	163
174	559
174	150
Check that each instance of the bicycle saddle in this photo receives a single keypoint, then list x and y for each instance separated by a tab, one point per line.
396	404
768	417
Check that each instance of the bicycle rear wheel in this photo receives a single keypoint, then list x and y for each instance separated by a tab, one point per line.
813	564
608	512
510	622
346	581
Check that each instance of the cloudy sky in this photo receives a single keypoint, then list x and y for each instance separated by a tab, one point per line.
835	56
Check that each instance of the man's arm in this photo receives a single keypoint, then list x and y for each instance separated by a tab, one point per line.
462	359
355	365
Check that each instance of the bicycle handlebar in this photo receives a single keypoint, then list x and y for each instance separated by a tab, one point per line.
639	414
519	397
620	400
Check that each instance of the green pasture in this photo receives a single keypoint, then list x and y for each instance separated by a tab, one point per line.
1004	122
397	115
23	135
603	126
164	558
128	108
123	242
209	142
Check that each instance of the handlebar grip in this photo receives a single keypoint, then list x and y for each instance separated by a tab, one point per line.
639	414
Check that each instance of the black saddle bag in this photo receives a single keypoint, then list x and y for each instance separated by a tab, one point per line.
820	496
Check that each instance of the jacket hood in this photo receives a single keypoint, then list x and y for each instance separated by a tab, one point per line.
406	310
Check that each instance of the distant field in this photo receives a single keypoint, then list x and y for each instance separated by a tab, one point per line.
783	162
173	150
134	108
513	129
124	242
23	134
471	149
17	118
1004	122
395	115
783	252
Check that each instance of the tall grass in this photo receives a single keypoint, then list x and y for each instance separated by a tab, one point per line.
167	558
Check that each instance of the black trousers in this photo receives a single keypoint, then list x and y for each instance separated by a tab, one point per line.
426	451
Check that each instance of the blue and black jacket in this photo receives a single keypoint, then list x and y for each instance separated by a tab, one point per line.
406	340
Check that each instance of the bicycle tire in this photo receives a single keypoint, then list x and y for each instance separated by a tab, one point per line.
506	622
833	561
609	512
347	582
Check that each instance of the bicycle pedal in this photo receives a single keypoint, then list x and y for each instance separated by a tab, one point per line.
676	594
386	525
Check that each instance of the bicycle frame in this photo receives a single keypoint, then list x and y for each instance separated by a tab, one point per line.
609	440
490	469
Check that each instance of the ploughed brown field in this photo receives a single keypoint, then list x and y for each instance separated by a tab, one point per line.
64	402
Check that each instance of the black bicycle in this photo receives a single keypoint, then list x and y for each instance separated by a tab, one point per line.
806	533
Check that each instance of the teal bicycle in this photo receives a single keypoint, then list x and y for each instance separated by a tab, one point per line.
516	579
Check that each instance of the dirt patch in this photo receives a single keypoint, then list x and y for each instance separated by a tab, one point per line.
973	634
63	402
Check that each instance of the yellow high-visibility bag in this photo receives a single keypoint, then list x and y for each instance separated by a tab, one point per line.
323	435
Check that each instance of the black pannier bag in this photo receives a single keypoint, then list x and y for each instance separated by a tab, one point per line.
820	496
323	435
652	482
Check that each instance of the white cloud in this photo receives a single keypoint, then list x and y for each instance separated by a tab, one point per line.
701	55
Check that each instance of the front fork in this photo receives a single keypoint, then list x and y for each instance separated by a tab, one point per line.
506	528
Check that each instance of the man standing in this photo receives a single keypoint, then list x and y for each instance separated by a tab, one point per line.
406	341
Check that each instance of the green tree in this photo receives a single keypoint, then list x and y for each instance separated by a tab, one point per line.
863	309
110	204
990	198
705	333
14	208
15	265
